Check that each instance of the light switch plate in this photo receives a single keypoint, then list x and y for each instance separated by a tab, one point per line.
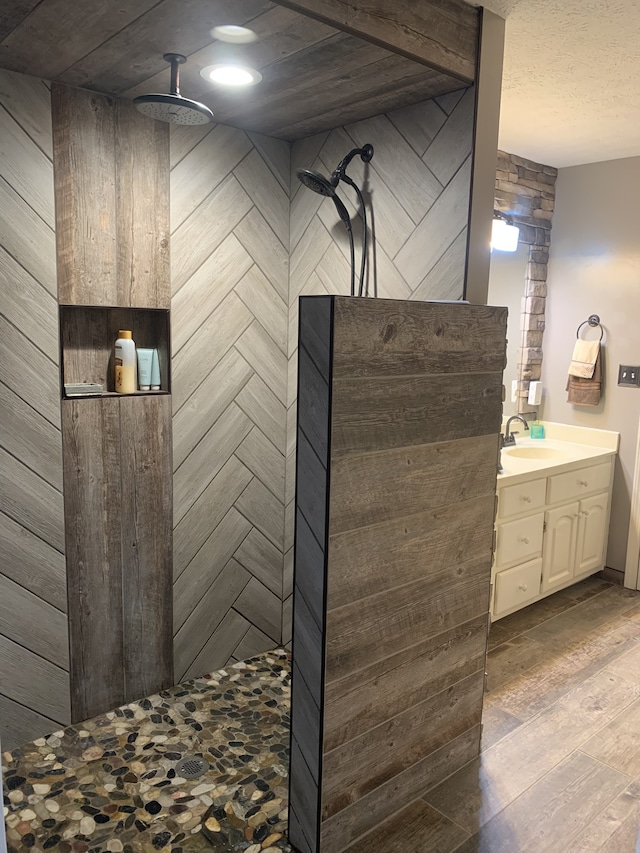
629	375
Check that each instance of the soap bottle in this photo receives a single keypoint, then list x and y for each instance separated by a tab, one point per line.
125	363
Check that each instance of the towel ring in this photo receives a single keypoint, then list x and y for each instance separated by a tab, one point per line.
594	321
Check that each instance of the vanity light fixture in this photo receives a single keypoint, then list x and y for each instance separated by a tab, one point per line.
504	234
231	75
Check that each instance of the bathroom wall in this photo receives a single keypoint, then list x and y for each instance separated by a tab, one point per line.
230	264
34	665
594	268
419	186
234	312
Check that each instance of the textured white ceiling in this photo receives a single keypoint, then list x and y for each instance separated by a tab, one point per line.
571	80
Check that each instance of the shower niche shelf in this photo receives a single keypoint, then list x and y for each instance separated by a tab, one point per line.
87	338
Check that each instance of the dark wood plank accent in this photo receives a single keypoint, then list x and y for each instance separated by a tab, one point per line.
366	762
84	159
56	34
112	202
410	676
142	209
352	822
379	487
323	65
415	545
312	485
375	628
92	493
118	502
116	63
427	341
145	429
403	88
439	33
414	396
13	14
380	413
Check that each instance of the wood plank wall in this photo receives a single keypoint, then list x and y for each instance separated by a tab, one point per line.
112	192
229	276
419	184
112	217
399	416
117	496
34	664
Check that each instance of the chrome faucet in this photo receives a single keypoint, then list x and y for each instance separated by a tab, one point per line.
509	438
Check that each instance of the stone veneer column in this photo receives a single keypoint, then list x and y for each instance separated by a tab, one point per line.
526	191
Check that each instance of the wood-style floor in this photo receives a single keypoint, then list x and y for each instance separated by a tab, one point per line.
560	763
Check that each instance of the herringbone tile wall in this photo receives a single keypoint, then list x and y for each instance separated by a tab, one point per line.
419	184
247	241
34	659
230	267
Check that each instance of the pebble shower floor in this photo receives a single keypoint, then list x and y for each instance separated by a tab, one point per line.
110	784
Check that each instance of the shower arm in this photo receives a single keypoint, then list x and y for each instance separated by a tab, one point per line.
176	60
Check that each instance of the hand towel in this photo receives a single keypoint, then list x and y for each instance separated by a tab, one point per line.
583	360
586	392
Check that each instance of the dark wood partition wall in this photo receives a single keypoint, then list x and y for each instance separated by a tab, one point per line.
398	422
112	232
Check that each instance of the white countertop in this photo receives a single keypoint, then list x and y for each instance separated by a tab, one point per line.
564	448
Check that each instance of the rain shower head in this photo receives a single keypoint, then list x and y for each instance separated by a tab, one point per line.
172	107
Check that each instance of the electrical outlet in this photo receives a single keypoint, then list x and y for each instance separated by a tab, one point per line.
629	375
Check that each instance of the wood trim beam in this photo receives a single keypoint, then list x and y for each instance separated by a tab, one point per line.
440	33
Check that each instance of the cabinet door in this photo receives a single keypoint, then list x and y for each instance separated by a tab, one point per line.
592	523
559	551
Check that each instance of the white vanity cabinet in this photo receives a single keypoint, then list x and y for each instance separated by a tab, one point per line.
551	531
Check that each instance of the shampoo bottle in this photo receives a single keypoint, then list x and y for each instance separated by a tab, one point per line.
125	363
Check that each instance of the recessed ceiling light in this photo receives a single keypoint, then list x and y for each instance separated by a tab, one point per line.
234	34
231	75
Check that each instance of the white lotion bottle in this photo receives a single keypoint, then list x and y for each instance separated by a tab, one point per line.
125	363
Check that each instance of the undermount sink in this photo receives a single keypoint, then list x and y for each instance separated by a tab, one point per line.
536	453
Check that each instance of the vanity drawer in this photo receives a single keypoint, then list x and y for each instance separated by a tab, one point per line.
574	484
517	586
514	500
518	541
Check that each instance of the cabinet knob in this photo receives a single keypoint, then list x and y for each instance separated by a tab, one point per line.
583	483
585	513
526	499
524	540
523	587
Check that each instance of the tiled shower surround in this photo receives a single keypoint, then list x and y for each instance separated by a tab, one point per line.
110	784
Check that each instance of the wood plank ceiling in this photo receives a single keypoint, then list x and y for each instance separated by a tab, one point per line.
315	77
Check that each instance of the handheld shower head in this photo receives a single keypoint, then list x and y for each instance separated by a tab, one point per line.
316	182
323	186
